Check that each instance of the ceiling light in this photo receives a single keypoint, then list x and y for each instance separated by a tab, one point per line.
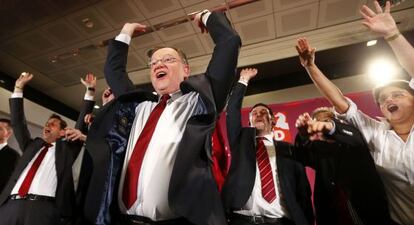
87	23
382	71
371	43
96	107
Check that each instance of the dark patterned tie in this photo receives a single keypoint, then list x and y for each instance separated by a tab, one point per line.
266	176
129	193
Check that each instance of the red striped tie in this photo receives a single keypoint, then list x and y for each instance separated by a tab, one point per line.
129	192
24	188
266	176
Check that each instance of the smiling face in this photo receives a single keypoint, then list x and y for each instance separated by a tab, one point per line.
167	71
397	105
53	130
262	120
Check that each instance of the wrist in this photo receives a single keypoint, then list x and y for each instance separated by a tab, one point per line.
244	80
92	89
389	34
18	88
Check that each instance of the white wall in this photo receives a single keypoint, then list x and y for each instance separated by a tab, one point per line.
36	115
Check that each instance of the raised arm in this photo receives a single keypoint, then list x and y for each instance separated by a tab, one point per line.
89	101
325	86
221	70
382	23
115	68
233	116
18	119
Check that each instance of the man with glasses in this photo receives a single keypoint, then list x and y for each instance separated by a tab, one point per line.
389	140
158	164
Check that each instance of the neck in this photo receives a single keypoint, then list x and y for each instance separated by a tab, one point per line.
403	128
262	133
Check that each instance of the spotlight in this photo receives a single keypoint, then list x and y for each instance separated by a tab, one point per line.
371	43
381	71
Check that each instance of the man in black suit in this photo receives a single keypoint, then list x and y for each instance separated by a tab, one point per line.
41	189
8	156
348	189
175	184
264	185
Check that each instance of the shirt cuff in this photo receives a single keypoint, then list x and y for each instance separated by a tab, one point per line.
205	17
411	84
123	38
17	95
352	110
89	97
243	82
332	131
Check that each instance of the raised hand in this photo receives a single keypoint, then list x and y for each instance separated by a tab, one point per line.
199	22
247	74
381	21
306	53
130	28
107	96
23	80
302	123
89	81
74	134
318	129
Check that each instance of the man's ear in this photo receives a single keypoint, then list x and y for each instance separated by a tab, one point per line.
62	132
272	119
187	71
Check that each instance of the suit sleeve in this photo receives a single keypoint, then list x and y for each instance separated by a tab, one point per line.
233	115
347	134
19	123
302	151
221	70
115	68
86	109
304	193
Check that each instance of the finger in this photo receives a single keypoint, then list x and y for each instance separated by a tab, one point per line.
377	7
364	15
368	11
387	7
298	49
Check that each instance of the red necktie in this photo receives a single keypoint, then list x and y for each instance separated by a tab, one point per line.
129	193
24	188
266	176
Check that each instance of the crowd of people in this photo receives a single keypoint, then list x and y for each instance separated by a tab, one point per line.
147	159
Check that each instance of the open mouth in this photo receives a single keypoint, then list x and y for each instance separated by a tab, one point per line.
392	108
160	74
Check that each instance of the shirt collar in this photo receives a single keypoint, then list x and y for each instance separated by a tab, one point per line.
174	96
267	137
3	145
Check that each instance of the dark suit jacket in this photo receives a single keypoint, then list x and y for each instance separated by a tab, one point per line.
193	193
8	161
348	165
240	180
66	153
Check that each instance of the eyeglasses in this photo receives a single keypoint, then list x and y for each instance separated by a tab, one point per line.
393	95
166	59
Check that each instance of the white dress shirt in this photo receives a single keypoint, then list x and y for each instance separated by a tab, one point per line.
394	160
45	180
257	205
159	159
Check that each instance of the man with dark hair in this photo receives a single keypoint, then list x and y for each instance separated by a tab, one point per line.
41	189
152	155
8	156
348	190
264	185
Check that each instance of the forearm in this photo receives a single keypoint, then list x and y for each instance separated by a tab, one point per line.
328	89
404	52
